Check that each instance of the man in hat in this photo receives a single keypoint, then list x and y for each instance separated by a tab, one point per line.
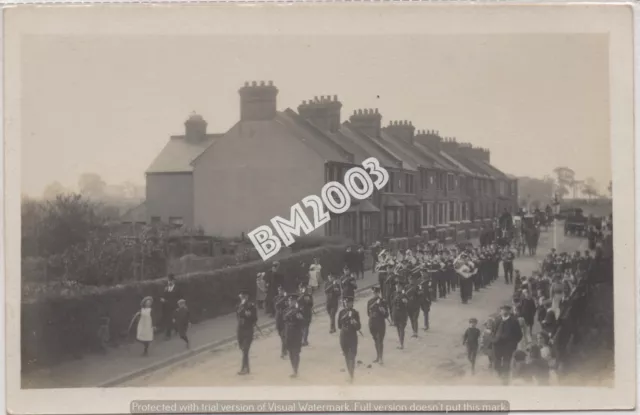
424	297
378	312
306	305
507	264
349	326
375	251
294	321
247	315
332	291
506	336
281	303
399	304
273	279
169	300
413	306
348	284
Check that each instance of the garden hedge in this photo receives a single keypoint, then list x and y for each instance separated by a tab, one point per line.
57	328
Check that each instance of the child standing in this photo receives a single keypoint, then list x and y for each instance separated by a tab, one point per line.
261	290
487	336
144	332
471	339
181	320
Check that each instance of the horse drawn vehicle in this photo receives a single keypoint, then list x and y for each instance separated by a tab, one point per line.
575	223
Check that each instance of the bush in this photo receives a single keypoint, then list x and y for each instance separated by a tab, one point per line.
58	326
309	241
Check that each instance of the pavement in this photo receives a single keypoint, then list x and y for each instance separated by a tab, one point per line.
437	356
125	362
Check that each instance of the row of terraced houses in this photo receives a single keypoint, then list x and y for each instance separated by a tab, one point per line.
230	183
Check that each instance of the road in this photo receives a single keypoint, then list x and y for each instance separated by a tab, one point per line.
435	357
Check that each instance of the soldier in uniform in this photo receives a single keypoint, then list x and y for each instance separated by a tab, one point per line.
424	297
247	315
441	276
413	306
390	286
432	270
378	312
306	305
332	290
349	326
348	284
294	322
399	312
281	303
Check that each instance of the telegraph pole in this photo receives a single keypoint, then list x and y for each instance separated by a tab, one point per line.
556	206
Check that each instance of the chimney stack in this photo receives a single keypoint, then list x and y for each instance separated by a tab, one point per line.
430	139
323	112
368	121
258	101
402	129
450	145
195	129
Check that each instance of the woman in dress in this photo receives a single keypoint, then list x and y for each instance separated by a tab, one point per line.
144	333
315	274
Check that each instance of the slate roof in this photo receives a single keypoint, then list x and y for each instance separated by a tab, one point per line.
373	148
408	150
135	214
178	153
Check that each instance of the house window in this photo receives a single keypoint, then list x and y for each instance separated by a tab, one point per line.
410	188
388	188
176	221
452	211
155	219
451	182
464	211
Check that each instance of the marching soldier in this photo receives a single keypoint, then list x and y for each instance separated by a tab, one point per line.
294	321
247	315
332	290
349	326
378	312
441	276
390	285
432	270
306	305
348	284
400	313
424	297
281	303
413	306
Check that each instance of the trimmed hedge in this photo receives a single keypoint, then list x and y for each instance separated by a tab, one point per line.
58	328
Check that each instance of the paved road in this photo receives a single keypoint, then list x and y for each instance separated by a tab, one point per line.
436	357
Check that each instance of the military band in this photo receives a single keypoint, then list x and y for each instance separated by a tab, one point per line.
409	284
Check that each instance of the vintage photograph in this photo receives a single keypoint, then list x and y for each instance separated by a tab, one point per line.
227	197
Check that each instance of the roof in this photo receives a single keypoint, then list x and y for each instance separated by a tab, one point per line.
490	170
461	163
410	151
313	137
440	161
391	201
363	206
178	153
135	214
373	148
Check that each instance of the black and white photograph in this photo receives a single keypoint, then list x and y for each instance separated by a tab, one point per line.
319	202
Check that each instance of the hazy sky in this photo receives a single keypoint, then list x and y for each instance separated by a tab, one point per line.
108	104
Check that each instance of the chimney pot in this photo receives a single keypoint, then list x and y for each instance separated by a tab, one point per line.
359	112
376	110
270	83
261	83
335	97
246	83
253	83
304	102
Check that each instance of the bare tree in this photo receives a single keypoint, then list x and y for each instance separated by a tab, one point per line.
590	188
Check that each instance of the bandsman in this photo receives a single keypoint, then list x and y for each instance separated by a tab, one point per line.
424	297
413	305
378	312
294	321
332	290
281	303
399	312
247	316
306	305
349	326
348	284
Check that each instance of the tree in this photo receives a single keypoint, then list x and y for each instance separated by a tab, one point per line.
590	188
53	190
67	220
91	185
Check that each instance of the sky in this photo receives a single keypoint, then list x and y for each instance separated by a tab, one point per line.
108	104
